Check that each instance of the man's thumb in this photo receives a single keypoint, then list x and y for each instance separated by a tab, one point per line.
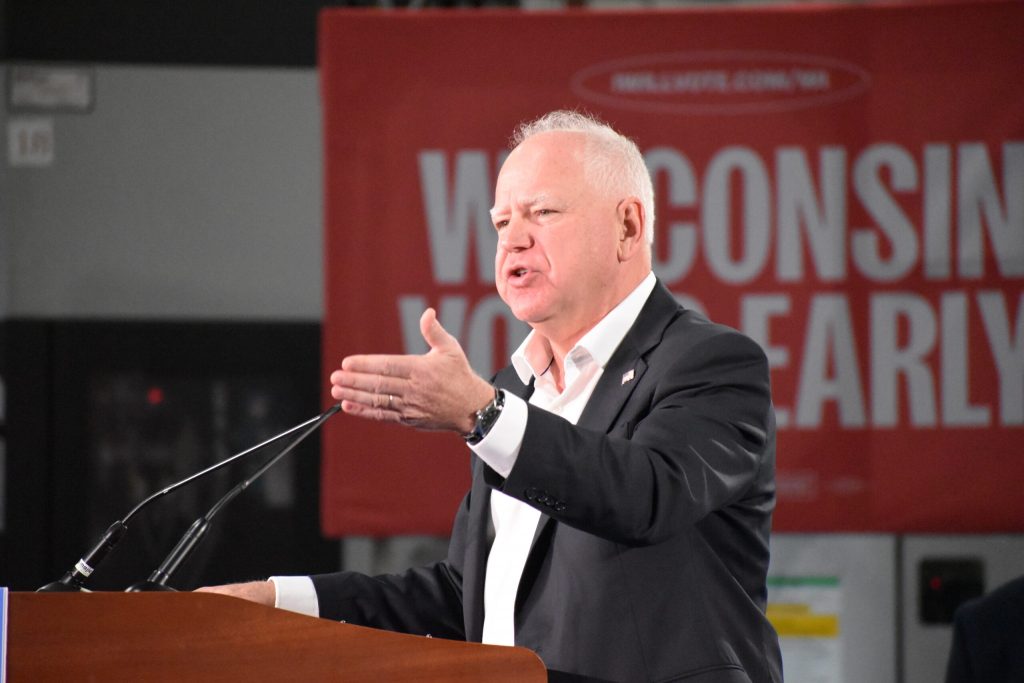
436	336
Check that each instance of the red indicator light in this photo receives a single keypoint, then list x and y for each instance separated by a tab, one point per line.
155	396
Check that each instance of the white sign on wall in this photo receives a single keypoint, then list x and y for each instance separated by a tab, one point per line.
37	88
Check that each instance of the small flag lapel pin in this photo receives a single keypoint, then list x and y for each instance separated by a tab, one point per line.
628	376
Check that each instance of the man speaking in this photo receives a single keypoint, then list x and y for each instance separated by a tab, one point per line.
623	469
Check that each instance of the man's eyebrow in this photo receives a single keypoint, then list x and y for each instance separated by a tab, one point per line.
536	199
525	202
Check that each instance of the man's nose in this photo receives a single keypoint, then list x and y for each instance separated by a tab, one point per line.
516	236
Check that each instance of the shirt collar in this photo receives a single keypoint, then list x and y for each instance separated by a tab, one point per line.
533	357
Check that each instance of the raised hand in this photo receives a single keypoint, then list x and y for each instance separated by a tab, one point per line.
437	390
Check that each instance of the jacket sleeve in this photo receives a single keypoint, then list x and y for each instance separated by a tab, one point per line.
421	601
695	437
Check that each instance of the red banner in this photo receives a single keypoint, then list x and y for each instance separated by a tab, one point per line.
845	184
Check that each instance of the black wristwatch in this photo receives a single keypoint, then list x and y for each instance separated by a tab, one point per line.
485	418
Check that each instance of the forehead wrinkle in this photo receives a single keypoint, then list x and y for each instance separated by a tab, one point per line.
525	202
538	198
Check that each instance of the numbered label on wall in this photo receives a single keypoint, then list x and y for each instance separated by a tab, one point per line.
30	142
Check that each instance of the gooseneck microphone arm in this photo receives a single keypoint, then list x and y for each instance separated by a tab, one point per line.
157	581
75	578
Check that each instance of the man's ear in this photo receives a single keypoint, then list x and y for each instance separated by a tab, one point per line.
632	228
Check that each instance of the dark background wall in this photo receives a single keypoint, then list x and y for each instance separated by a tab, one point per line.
225	32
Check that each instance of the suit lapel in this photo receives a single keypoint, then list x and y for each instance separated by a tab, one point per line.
621	376
627	366
477	545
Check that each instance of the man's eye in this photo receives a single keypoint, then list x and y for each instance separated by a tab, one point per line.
498	225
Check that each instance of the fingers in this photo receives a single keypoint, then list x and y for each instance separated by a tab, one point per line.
380	364
368	399
263	592
371	396
368	382
370	412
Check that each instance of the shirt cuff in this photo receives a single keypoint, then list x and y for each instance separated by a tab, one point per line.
500	448
296	594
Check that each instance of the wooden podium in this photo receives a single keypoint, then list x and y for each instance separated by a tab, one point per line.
203	637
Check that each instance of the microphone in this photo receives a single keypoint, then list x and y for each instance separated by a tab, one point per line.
157	581
75	578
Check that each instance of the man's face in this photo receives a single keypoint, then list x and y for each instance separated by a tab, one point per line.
557	237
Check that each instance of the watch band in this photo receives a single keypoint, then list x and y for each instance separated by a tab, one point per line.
485	418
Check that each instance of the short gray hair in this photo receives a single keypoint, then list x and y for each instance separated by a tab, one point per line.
613	161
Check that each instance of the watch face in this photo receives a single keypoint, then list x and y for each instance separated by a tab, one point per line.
486	417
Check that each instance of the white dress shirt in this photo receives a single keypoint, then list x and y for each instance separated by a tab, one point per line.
515	522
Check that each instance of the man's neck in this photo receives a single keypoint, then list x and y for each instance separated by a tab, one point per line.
560	345
561	341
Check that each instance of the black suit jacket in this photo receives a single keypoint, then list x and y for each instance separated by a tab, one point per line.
649	561
988	638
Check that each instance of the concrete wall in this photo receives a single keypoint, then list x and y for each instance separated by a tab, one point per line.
184	193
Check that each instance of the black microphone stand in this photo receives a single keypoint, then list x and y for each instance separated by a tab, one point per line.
157	581
74	580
